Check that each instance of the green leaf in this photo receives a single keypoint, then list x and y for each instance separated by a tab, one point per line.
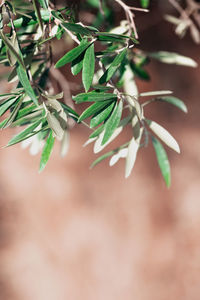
13	113
102	115
163	161
77	28
6	105
37	12
113	67
72	54
173	58
12	49
175	101
88	67
99	159
77	64
47	150
144	3
112	37
97	132
23	78
44	3
24	134
93	109
93	96
112	123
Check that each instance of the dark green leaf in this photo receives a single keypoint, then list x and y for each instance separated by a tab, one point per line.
102	115
88	67
113	37
13	113
162	161
93	96
77	64
37	12
77	28
113	121
47	150
175	101
113	67
72	54
93	109
23	77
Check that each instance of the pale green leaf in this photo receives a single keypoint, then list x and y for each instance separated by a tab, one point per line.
175	101
173	58
164	135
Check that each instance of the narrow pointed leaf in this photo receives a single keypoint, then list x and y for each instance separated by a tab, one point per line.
72	54
93	109
113	122
93	96
163	161
173	58
77	64
102	115
88	67
6	105
99	159
23	78
155	93
113	67
175	101
132	154
77	28
164	135
47	150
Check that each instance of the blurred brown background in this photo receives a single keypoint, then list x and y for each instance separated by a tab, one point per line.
72	233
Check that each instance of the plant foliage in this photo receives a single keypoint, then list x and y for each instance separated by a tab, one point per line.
109	60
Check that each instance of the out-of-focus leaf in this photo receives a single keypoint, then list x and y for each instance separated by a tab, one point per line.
121	154
163	161
72	54
47	150
173	58
99	159
113	122
37	12
132	154
155	93
6	105
44	3
24	134
88	67
175	101
164	135
129	84
144	3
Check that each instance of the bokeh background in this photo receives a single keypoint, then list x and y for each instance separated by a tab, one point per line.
79	234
